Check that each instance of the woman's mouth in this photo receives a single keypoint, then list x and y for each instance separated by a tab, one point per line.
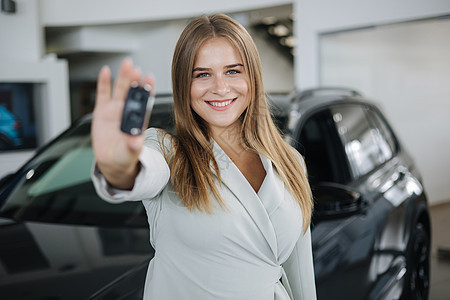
220	104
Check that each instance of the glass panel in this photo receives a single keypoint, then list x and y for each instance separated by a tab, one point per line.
361	141
389	141
324	157
17	122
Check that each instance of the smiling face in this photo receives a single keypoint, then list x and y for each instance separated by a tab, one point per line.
219	86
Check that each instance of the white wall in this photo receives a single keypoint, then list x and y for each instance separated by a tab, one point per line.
88	12
316	17
406	68
21	33
22	60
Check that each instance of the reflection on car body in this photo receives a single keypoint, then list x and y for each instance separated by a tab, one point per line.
370	227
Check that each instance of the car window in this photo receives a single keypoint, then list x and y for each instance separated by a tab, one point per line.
389	140
365	145
320	145
55	186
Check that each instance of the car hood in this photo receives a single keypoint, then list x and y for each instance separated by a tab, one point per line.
57	261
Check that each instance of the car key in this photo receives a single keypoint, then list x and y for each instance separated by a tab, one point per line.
137	109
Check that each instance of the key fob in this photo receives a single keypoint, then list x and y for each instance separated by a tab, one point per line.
137	109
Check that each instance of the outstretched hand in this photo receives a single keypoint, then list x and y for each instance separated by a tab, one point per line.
116	153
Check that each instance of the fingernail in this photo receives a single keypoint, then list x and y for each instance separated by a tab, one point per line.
148	87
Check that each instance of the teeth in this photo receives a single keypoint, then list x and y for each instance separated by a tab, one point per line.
220	104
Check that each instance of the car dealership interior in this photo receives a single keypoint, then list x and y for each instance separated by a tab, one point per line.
395	53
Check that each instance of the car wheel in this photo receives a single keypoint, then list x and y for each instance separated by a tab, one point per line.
417	279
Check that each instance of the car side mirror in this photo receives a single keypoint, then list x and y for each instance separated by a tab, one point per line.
333	201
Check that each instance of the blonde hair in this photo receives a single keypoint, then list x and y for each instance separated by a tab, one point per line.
193	164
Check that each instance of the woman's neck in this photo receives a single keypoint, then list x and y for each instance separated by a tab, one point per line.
229	139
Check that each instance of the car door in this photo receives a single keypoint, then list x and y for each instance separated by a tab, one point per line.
342	148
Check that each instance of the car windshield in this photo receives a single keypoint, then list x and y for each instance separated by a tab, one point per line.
55	186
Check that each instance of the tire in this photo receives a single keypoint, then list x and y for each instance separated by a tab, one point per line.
417	277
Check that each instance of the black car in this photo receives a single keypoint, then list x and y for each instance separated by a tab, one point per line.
370	230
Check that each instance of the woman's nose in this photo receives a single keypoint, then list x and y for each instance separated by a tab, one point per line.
221	86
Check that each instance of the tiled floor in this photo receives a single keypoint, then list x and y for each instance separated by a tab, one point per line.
440	264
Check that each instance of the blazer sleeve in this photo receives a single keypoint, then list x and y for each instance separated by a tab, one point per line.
299	269
151	180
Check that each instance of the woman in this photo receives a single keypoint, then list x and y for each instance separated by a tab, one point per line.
227	200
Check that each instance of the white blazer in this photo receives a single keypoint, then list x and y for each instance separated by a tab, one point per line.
238	253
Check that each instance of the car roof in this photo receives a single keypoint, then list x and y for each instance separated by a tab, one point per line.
314	99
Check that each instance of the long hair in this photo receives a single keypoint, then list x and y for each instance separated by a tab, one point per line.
193	165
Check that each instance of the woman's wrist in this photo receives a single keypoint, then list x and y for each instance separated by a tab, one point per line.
122	179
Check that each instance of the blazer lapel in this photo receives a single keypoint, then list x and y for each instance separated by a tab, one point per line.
243	191
272	190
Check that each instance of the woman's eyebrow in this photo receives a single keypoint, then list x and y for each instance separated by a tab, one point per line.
202	69
234	66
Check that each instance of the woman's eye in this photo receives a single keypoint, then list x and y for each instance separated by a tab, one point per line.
201	75
232	72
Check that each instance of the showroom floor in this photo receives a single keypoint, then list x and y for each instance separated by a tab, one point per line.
440	255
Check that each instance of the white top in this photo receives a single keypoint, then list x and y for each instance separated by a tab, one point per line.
240	253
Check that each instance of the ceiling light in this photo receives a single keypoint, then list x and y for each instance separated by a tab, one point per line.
269	20
288	41
279	30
